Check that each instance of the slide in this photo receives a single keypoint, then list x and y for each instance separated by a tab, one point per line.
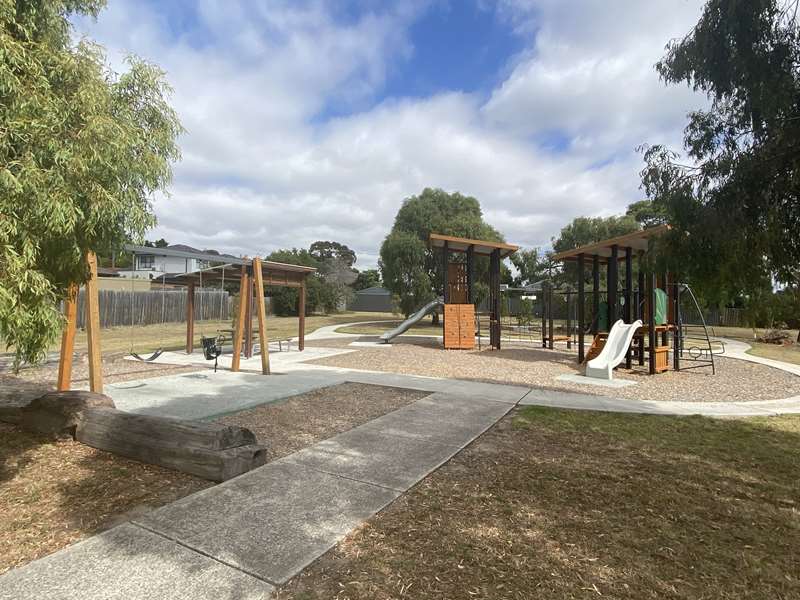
413	319
613	353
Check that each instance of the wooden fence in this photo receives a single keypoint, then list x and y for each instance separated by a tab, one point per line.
119	308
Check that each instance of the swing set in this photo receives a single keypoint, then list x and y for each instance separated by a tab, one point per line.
253	275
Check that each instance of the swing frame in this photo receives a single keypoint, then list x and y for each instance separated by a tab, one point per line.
253	274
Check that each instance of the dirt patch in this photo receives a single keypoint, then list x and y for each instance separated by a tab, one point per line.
55	493
303	420
571	504
735	380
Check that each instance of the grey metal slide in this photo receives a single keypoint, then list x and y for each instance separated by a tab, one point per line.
412	320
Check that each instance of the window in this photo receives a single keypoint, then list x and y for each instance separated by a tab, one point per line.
145	262
203	264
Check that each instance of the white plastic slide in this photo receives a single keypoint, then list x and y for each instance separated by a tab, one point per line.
413	319
613	353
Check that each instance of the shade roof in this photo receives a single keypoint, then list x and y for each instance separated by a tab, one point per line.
457	244
272	273
638	240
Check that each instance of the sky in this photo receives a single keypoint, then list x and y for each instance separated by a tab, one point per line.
313	120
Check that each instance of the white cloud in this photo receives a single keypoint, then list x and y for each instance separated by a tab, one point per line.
263	170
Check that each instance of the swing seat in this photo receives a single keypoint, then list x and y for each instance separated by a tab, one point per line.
150	358
211	350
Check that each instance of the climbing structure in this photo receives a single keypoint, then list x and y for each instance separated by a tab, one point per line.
459	287
654	300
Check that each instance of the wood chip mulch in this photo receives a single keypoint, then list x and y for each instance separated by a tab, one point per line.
735	380
300	421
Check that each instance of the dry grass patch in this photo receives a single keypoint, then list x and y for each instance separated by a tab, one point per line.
560	504
789	353
56	492
303	420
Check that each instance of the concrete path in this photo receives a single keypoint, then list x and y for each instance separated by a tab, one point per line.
738	349
243	537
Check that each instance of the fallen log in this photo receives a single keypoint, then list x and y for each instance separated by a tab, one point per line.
208	450
59	412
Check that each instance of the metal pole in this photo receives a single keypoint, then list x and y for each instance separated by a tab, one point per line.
581	305
596	292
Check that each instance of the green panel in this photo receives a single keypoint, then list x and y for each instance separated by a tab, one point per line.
661	307
602	318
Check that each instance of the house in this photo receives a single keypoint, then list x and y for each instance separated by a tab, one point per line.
373	299
152	263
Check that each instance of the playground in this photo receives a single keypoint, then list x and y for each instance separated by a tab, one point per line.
331	443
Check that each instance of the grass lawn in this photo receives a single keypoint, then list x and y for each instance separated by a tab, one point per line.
172	336
790	354
422	328
568	504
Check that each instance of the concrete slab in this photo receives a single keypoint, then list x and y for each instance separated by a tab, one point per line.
129	563
498	392
270	522
205	394
466	418
280	362
375	456
583	380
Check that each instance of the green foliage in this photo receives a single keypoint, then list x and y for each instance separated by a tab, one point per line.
325	251
322	296
367	279
735	208
82	150
414	274
532	265
581	232
588	230
647	213
402	265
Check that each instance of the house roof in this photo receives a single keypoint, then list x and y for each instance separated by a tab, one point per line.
638	240
375	290
457	244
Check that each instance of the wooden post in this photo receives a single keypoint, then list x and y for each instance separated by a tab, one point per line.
677	340
248	330
628	298
301	317
612	285
651	322
93	326
569	319
445	279
581	305
596	293
545	311
641	304
494	271
261	310
68	339
550	317
244	286
190	318
471	274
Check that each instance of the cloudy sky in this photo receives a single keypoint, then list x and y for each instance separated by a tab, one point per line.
314	120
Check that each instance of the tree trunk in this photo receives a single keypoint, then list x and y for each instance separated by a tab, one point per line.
435	317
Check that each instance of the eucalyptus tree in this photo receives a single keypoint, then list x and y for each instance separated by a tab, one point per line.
82	151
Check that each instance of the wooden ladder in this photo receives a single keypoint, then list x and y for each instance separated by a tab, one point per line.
597	346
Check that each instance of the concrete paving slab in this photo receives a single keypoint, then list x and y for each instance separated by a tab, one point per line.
375	456
510	394
608	383
129	563
465	419
270	522
204	394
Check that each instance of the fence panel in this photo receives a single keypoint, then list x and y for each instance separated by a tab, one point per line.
119	308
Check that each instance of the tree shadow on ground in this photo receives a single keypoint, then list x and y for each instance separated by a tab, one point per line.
572	504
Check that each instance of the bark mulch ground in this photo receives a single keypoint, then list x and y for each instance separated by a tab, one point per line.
571	505
300	421
735	380
54	493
